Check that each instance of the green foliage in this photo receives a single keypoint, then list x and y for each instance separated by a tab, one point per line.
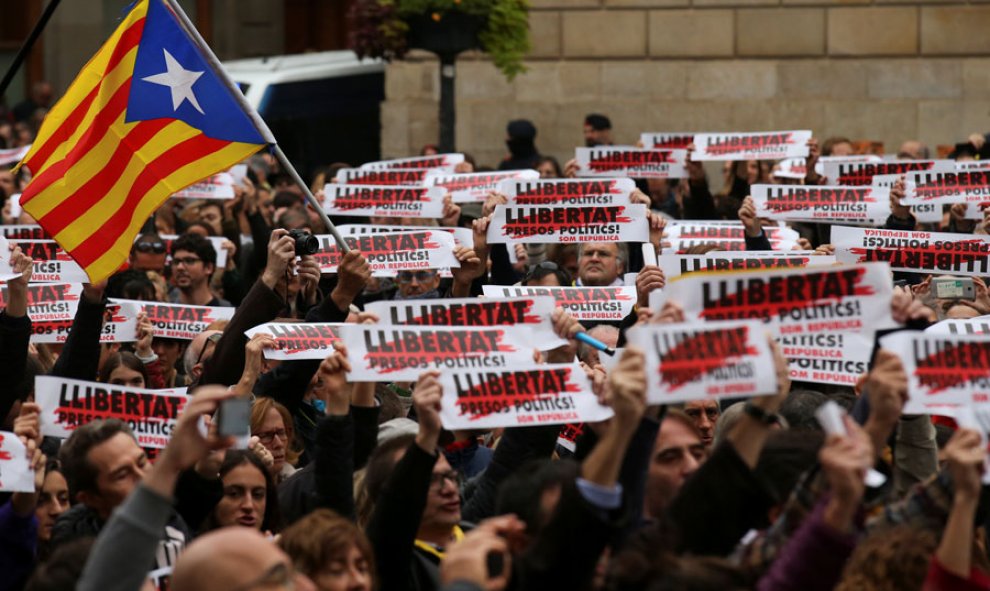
379	28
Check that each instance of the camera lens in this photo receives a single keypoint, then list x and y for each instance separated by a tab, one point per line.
305	243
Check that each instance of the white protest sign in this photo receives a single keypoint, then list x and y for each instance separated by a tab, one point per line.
667	140
16	474
462	236
851	158
942	369
822	204
827	358
568	191
67	404
925	252
15	206
862	173
383	200
392	176
216	241
51	263
24	232
771	145
947	187
925	213
398	353
556	224
617	161
239	173
599	304
792	301
972	165
700	361
969	326
119	322
12	155
526	394
792	168
178	321
975	211
683	245
52	308
218	186
446	162
532	312
674	265
391	252
474	186
722	230
298	340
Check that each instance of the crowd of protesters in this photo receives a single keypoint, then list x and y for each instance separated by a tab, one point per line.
358	486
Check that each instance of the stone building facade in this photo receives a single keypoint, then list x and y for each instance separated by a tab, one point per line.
883	70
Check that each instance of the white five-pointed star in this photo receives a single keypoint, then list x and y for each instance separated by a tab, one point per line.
179	80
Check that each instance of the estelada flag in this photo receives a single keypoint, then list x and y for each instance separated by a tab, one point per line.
149	115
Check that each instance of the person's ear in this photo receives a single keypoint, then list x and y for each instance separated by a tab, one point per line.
209	268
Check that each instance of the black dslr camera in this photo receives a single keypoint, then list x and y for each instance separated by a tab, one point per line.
306	243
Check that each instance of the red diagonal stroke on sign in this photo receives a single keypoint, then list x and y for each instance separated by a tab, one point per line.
533	393
887	254
621	160
681	365
750	143
679	142
108	414
461	184
932	191
761	291
459	349
530	225
4	455
331	256
324	343
112	314
783	204
937	374
427	319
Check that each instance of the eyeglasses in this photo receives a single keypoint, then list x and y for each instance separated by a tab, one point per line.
187	261
419	276
278	576
213	338
155	247
437	480
266	437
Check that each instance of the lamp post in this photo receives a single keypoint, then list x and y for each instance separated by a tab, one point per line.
446	35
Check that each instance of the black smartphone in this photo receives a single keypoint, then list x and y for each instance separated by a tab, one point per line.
496	564
234	418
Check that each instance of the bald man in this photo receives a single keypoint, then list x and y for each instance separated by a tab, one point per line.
236	558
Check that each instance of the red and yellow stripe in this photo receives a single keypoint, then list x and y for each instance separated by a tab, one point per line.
96	178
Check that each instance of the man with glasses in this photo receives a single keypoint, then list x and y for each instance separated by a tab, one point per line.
148	254
193	261
199	351
418	285
601	264
425	284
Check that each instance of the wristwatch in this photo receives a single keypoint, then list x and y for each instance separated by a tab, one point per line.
767	418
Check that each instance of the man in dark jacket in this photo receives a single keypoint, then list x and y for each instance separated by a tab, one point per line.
103	463
522	146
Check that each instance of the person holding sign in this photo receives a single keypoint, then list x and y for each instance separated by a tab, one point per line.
148	508
15	328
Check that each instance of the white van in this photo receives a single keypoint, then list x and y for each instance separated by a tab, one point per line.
322	107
